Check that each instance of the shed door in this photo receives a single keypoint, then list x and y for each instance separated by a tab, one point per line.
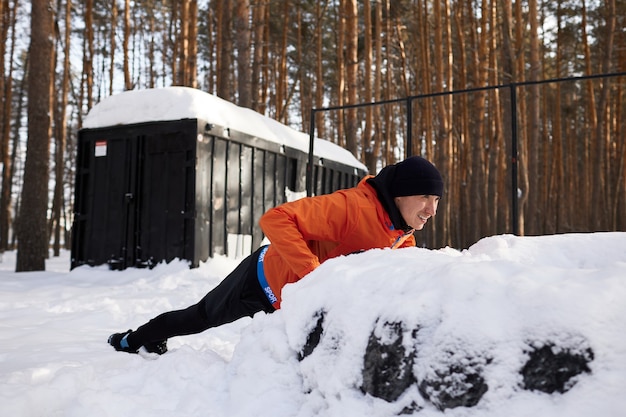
103	200
166	198
135	191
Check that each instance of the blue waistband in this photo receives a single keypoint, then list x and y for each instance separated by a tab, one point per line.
260	272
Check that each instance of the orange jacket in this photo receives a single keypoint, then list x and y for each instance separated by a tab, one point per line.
307	232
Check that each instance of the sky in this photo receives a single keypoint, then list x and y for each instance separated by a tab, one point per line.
495	299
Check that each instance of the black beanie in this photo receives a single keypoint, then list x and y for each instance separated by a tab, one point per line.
415	176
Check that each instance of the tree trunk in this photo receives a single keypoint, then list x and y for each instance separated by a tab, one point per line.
390	126
533	122
242	43
152	74
398	27
183	43
320	11
128	82
112	41
352	70
426	71
265	83
88	53
508	76
366	146
305	87
260	49
15	131
192	55
442	83
603	136
4	120
32	237
592	123
61	135
282	79
341	80
478	178
376	151
499	203
224	48
447	156
519	76
10	17
463	196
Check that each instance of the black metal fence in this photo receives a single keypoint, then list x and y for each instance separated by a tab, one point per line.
563	110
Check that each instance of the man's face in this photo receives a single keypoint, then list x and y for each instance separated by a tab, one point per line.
417	209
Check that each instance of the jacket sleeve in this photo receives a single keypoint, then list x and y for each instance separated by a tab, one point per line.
290	226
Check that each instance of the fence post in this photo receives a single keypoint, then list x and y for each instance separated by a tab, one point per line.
409	128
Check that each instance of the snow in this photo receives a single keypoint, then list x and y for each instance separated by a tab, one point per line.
175	103
495	297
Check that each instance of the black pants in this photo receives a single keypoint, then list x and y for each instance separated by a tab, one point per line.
238	295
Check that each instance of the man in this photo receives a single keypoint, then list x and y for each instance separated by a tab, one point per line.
380	212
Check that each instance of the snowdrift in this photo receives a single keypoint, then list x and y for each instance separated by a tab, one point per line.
485	309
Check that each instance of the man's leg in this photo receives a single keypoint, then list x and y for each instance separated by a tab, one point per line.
238	295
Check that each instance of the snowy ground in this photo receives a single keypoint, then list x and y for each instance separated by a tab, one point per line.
499	294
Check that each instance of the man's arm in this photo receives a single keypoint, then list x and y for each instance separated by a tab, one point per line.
291	225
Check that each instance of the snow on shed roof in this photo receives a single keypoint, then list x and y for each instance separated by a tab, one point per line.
174	103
